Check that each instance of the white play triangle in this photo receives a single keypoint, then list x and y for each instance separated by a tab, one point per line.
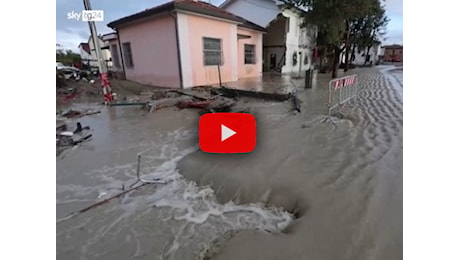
226	133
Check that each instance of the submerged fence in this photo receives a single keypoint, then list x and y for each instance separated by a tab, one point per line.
342	90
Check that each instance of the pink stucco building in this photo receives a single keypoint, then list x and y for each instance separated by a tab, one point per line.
185	43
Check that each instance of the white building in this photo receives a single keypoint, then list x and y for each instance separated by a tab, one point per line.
287	45
88	52
360	57
85	54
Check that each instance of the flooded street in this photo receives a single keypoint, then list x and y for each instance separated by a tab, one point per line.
310	189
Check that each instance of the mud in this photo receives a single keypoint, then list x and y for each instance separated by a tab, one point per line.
310	190
345	181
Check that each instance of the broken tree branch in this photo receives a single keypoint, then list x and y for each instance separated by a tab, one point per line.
297	102
233	93
187	94
73	214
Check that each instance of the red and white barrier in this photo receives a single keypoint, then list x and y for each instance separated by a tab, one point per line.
106	88
342	90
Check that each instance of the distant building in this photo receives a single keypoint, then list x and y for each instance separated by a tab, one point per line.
288	44
85	54
393	53
362	57
111	41
186	43
88	53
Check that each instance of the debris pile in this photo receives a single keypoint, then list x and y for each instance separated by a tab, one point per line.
77	114
209	99
205	101
66	139
90	88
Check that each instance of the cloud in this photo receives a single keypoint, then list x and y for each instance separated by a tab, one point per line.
394	7
71	32
69	40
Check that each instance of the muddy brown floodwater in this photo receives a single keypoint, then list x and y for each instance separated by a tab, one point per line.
310	190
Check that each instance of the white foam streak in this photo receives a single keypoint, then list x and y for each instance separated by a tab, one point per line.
183	200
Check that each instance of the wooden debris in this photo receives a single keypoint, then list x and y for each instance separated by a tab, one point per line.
166	102
127	104
103	201
235	93
297	102
72	95
72	114
188	94
195	104
214	104
77	114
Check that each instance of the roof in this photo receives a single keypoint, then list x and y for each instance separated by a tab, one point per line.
109	36
251	25
280	3
84	46
226	3
186	5
393	46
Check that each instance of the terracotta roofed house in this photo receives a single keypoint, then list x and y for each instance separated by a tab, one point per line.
181	43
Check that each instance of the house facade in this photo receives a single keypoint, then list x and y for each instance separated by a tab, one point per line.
85	53
393	53
288	45
187	43
112	47
359	57
88	52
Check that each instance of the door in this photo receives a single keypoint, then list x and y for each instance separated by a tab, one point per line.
272	61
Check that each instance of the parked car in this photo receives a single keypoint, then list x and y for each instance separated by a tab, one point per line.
59	65
68	71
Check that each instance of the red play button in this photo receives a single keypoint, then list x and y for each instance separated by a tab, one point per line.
227	133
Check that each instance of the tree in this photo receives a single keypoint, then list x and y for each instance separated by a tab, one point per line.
335	20
67	57
369	30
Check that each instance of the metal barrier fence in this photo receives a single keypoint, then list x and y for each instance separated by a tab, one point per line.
342	90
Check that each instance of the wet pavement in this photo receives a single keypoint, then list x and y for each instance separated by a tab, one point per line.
310	190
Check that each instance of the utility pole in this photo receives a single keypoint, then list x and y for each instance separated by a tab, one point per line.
103	71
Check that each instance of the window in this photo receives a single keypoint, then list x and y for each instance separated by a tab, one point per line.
249	54
212	51
115	57
127	54
294	58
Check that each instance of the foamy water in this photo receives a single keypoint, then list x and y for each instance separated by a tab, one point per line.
187	219
345	180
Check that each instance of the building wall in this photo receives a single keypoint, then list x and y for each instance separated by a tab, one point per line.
266	11
154	52
277	42
274	43
117	72
192	29
360	57
249	70
114	43
294	37
106	55
84	55
393	53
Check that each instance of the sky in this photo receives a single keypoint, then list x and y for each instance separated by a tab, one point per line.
70	32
